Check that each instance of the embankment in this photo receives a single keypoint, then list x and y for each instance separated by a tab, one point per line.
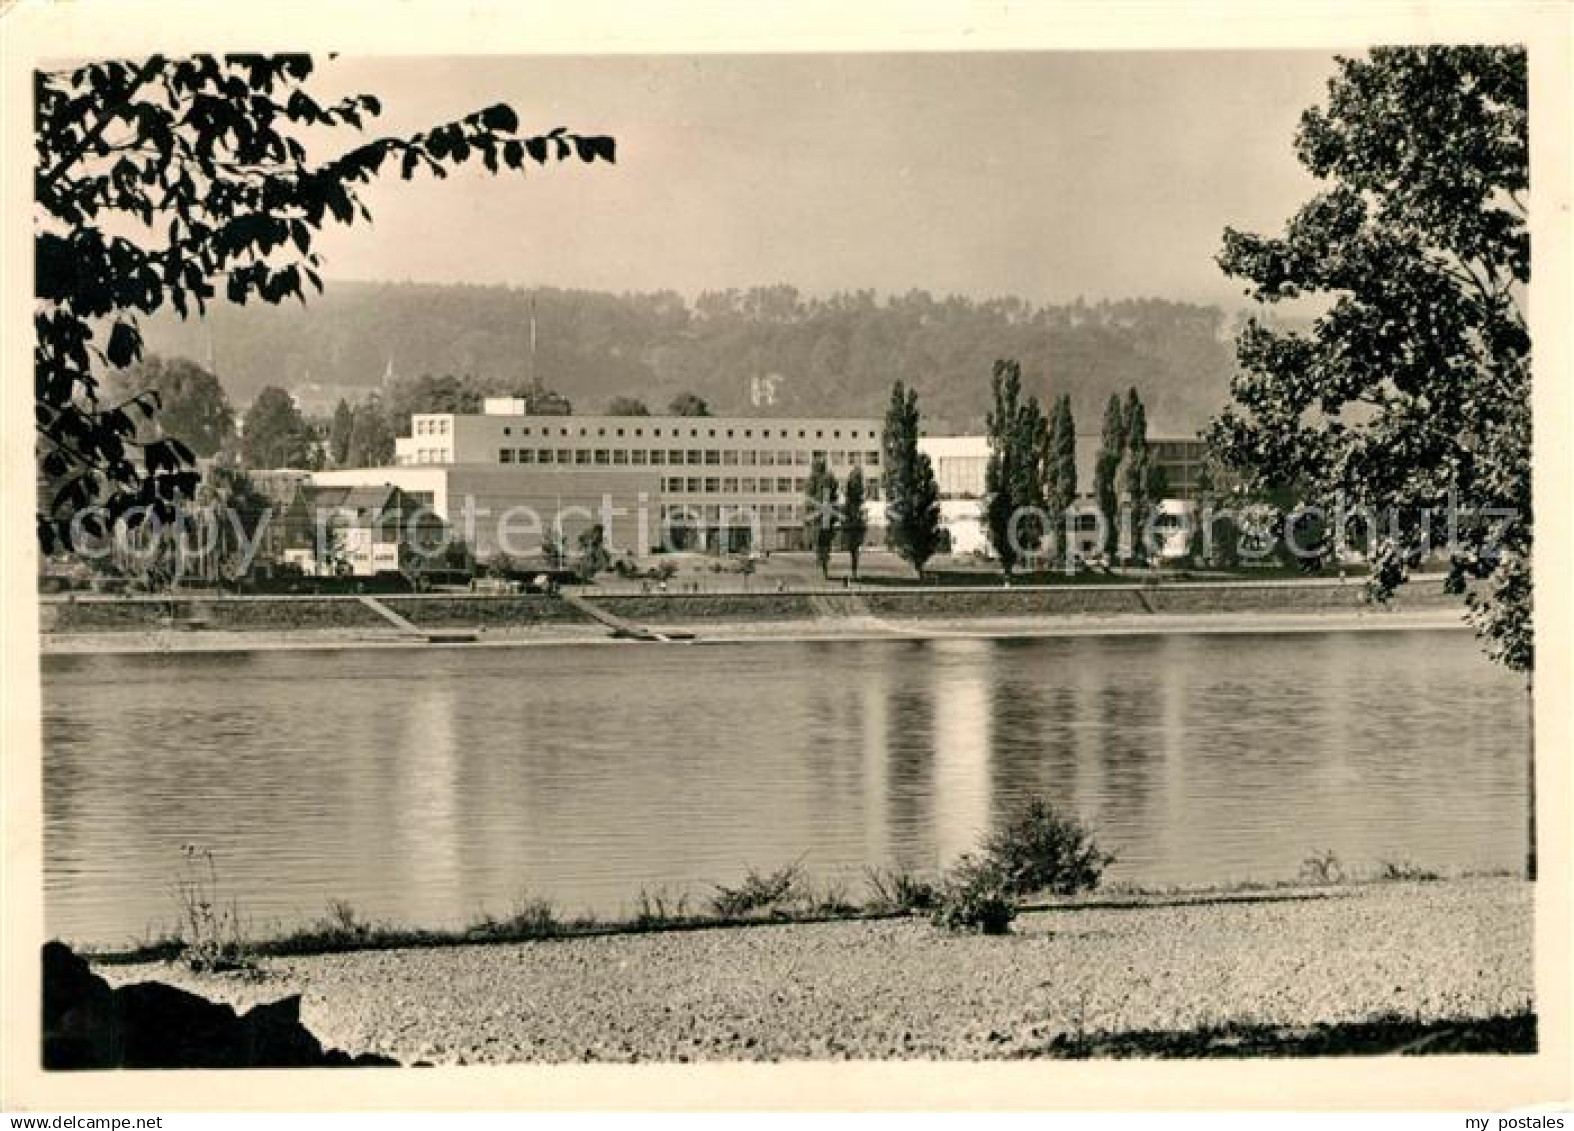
61	616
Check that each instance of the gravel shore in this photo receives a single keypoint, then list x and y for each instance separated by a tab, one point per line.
901	988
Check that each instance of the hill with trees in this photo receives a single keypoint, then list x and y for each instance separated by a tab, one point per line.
767	350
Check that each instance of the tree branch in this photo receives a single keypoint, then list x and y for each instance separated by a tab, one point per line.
144	75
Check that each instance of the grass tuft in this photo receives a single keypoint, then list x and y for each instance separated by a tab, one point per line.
213	937
760	892
899	892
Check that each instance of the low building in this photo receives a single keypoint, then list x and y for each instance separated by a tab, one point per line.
357	531
960	464
498	510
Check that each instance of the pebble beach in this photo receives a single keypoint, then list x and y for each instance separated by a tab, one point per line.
1424	951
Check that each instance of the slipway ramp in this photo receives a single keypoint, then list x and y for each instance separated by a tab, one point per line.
622	629
406	628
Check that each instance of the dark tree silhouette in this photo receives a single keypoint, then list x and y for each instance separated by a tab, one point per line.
1410	397
1013	477
821	515
340	431
167	182
1060	473
912	497
1106	470
855	518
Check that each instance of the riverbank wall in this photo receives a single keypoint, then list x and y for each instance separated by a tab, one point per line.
100	614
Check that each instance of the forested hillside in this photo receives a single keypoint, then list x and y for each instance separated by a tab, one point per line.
767	350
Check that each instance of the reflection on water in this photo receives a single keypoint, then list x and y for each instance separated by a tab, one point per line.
426	787
961	672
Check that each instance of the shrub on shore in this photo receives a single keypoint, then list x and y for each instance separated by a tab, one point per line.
1042	852
1038	852
760	891
975	897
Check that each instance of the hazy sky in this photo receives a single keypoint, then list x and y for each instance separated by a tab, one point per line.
1044	175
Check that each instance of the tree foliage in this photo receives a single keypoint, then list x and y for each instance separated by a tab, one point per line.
372	435
1060	472
912	496
1136	480
238	512
688	404
340	431
277	435
854	517
1106	469
821	515
174	182
593	555
432	393
1013	477
627	406
193	406
542	401
1411	392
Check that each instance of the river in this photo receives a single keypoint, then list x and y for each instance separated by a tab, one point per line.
425	786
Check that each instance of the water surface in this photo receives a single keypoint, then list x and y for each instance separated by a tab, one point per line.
425	786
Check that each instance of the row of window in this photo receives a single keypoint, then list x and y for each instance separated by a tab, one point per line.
694	457
693	433
715	486
765	513
435	427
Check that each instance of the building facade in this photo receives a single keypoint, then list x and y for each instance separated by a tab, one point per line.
960	462
713	483
497	510
357	531
506	480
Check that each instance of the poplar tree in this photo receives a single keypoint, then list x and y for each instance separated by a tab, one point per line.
1060	474
1000	473
821	517
340	432
1136	471
1106	468
1014	476
855	518
912	496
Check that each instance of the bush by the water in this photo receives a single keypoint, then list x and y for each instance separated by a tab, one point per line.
975	897
759	892
1041	852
